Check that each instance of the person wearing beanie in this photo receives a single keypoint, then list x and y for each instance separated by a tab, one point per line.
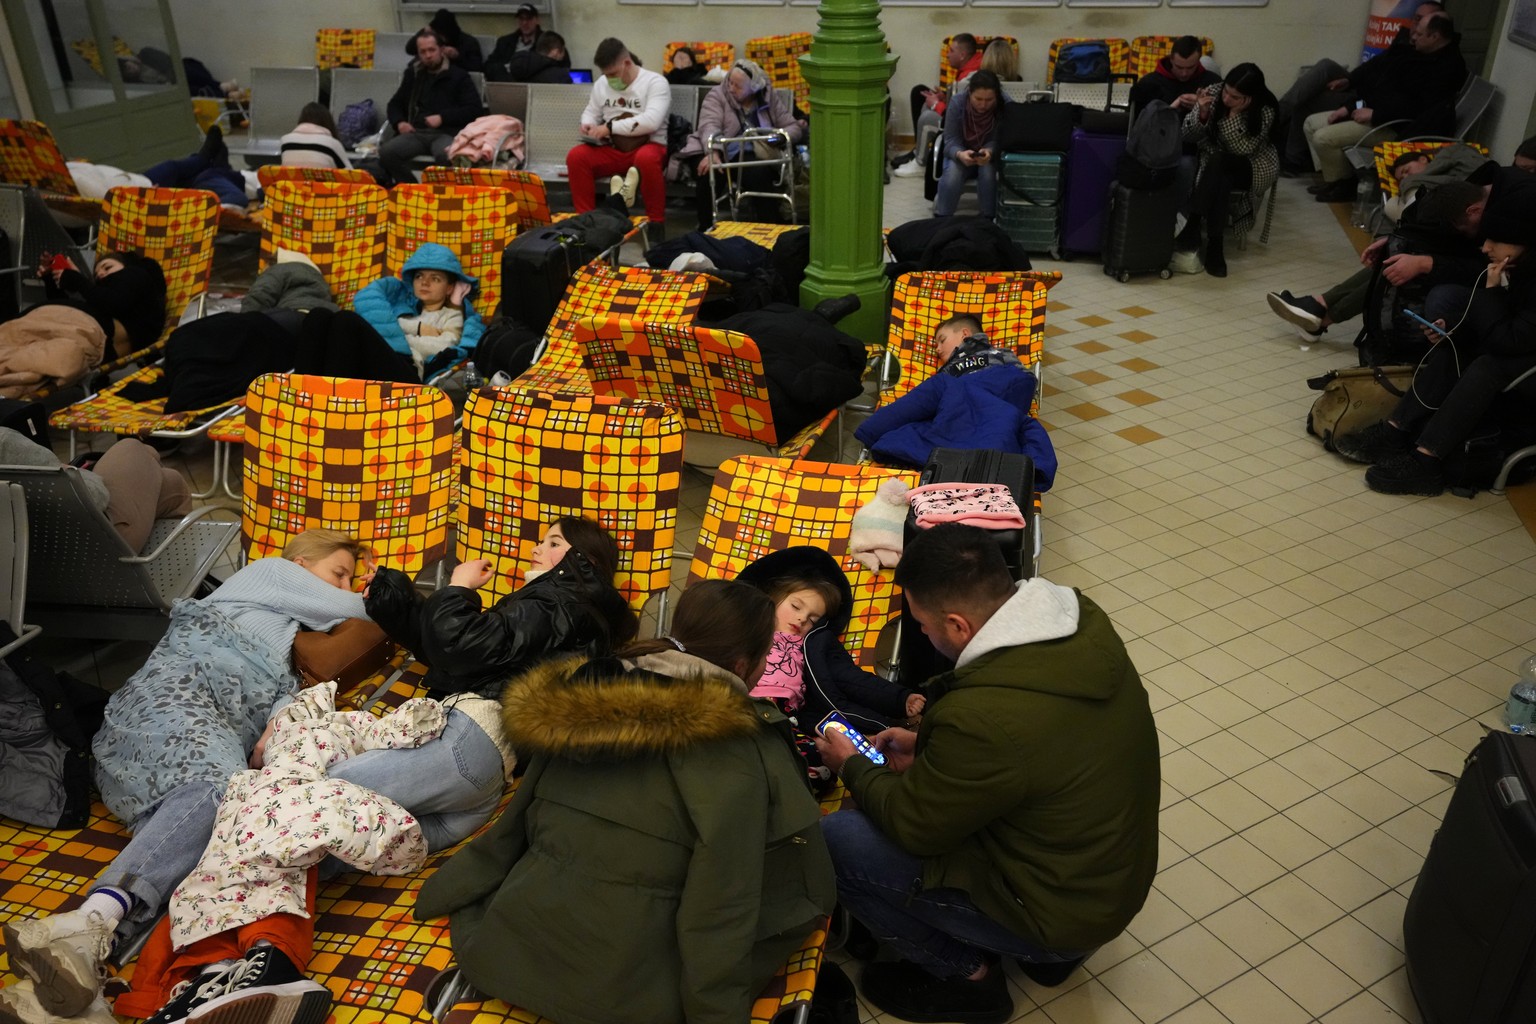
1489	341
125	294
461	48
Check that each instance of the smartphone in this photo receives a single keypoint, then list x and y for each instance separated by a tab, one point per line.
835	722
59	262
1359	104
1416	318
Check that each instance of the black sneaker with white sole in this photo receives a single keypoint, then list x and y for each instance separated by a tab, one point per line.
189	995
1304	311
266	988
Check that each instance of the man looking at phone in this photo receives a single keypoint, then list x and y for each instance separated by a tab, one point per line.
928	103
1021	818
1484	339
1177	78
971	126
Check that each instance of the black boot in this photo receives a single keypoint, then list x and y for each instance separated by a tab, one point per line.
1215	258
833	310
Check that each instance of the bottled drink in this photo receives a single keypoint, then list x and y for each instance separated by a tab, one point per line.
1521	709
1365	198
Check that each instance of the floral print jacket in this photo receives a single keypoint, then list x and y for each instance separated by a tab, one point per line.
276	821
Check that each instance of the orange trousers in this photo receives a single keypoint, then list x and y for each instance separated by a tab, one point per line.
160	968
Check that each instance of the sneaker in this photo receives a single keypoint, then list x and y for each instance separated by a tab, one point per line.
906	991
19	1005
64	954
903	159
630	187
910	169
189	995
616	186
1304	311
265	988
1373	445
1407	473
1309	338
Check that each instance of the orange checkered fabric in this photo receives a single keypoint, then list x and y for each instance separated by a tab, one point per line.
339	226
636	293
344	47
780	57
29	155
1119	54
91	53
765	235
1010	306
369	457
526	187
173	226
1146	51
108	411
947	73
714	379
760	504
709	54
475	222
531	457
271	174
1386	154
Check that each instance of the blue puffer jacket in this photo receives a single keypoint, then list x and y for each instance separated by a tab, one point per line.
389	298
982	409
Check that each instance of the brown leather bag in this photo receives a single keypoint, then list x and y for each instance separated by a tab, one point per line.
1354	398
625	143
348	654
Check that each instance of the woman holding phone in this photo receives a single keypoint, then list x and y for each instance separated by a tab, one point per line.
971	126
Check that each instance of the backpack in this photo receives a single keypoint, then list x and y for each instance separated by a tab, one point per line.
1354	398
1086	61
358	121
678	131
1153	148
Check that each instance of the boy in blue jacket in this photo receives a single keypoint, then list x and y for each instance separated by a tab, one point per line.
979	398
425	315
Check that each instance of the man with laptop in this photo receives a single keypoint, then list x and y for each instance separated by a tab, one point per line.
623	131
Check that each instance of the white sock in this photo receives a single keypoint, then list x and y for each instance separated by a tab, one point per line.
109	902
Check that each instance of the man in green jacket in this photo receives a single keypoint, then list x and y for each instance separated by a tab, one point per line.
1021	818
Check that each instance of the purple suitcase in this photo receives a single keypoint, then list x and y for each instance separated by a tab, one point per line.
1090	170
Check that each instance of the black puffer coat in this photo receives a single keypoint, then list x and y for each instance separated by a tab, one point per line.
568	609
833	680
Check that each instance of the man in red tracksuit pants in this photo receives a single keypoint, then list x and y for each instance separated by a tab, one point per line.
623	132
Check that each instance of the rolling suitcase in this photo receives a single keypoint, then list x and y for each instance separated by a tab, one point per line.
1029	201
1138	231
1091	172
535	270
917	659
1469	932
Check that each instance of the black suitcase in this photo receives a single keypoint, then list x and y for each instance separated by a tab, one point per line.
1469	930
917	659
1138	231
29	419
535	270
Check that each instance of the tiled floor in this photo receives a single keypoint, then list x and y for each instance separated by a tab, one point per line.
1320	658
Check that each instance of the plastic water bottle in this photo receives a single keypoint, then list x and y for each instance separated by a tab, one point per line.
472	379
1365	197
805	155
1521	709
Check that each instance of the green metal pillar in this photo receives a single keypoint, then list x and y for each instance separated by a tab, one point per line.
847	69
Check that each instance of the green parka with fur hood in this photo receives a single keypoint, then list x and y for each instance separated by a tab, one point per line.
662	856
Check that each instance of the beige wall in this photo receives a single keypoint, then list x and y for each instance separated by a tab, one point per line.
230	36
1514	113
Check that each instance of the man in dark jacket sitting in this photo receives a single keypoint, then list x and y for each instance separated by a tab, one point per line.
1177	77
546	62
1410	83
435	100
1021	818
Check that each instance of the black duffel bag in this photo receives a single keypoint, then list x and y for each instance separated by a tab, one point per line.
1036	127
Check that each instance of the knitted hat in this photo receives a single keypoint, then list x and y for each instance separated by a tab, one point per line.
1511	212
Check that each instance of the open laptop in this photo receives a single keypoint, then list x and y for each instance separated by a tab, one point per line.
581	76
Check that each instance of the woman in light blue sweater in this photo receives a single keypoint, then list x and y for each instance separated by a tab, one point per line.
171	739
